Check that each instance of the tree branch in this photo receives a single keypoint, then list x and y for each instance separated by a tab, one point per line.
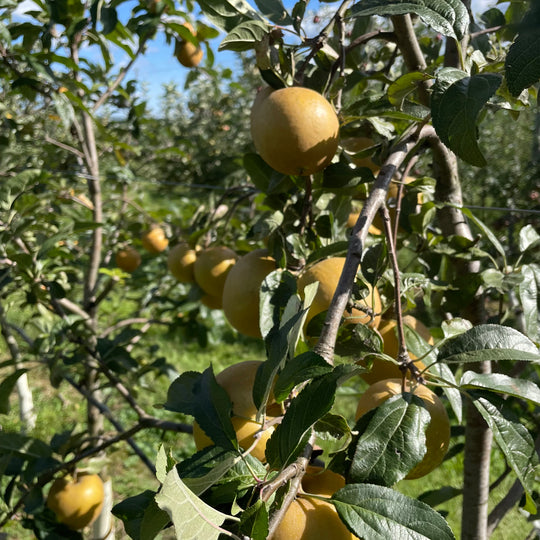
405	363
411	51
123	72
326	343
295	484
64	146
318	41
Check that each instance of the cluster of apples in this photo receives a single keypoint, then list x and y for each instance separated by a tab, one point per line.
153	240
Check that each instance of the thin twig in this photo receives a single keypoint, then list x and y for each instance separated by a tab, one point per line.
487	31
128	322
64	146
123	72
403	355
104	410
319	40
401	188
106	290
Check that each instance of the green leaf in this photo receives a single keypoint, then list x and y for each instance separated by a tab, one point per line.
277	296
6	388
181	394
227	14
385	451
443	371
488	342
142	517
192	518
132	512
405	85
311	404
528	294
493	278
380	513
336	249
455	112
515	442
455	327
5	36
448	17
528	238
522	64
333	435
236	482
199	395
244	36
297	14
164	463
254	521
213	466
353	340
207	467
487	232
303	367
274	10
154	520
278	343
259	171
435	497
501	384
22	446
340	175
109	18
374	262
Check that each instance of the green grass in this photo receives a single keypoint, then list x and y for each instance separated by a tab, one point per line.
63	408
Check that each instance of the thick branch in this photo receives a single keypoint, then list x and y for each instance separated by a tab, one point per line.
478	440
295	484
326	344
410	49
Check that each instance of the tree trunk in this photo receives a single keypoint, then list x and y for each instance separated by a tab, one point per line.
27	414
103	527
476	467
26	402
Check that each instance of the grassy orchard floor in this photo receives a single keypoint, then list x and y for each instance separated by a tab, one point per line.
61	409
